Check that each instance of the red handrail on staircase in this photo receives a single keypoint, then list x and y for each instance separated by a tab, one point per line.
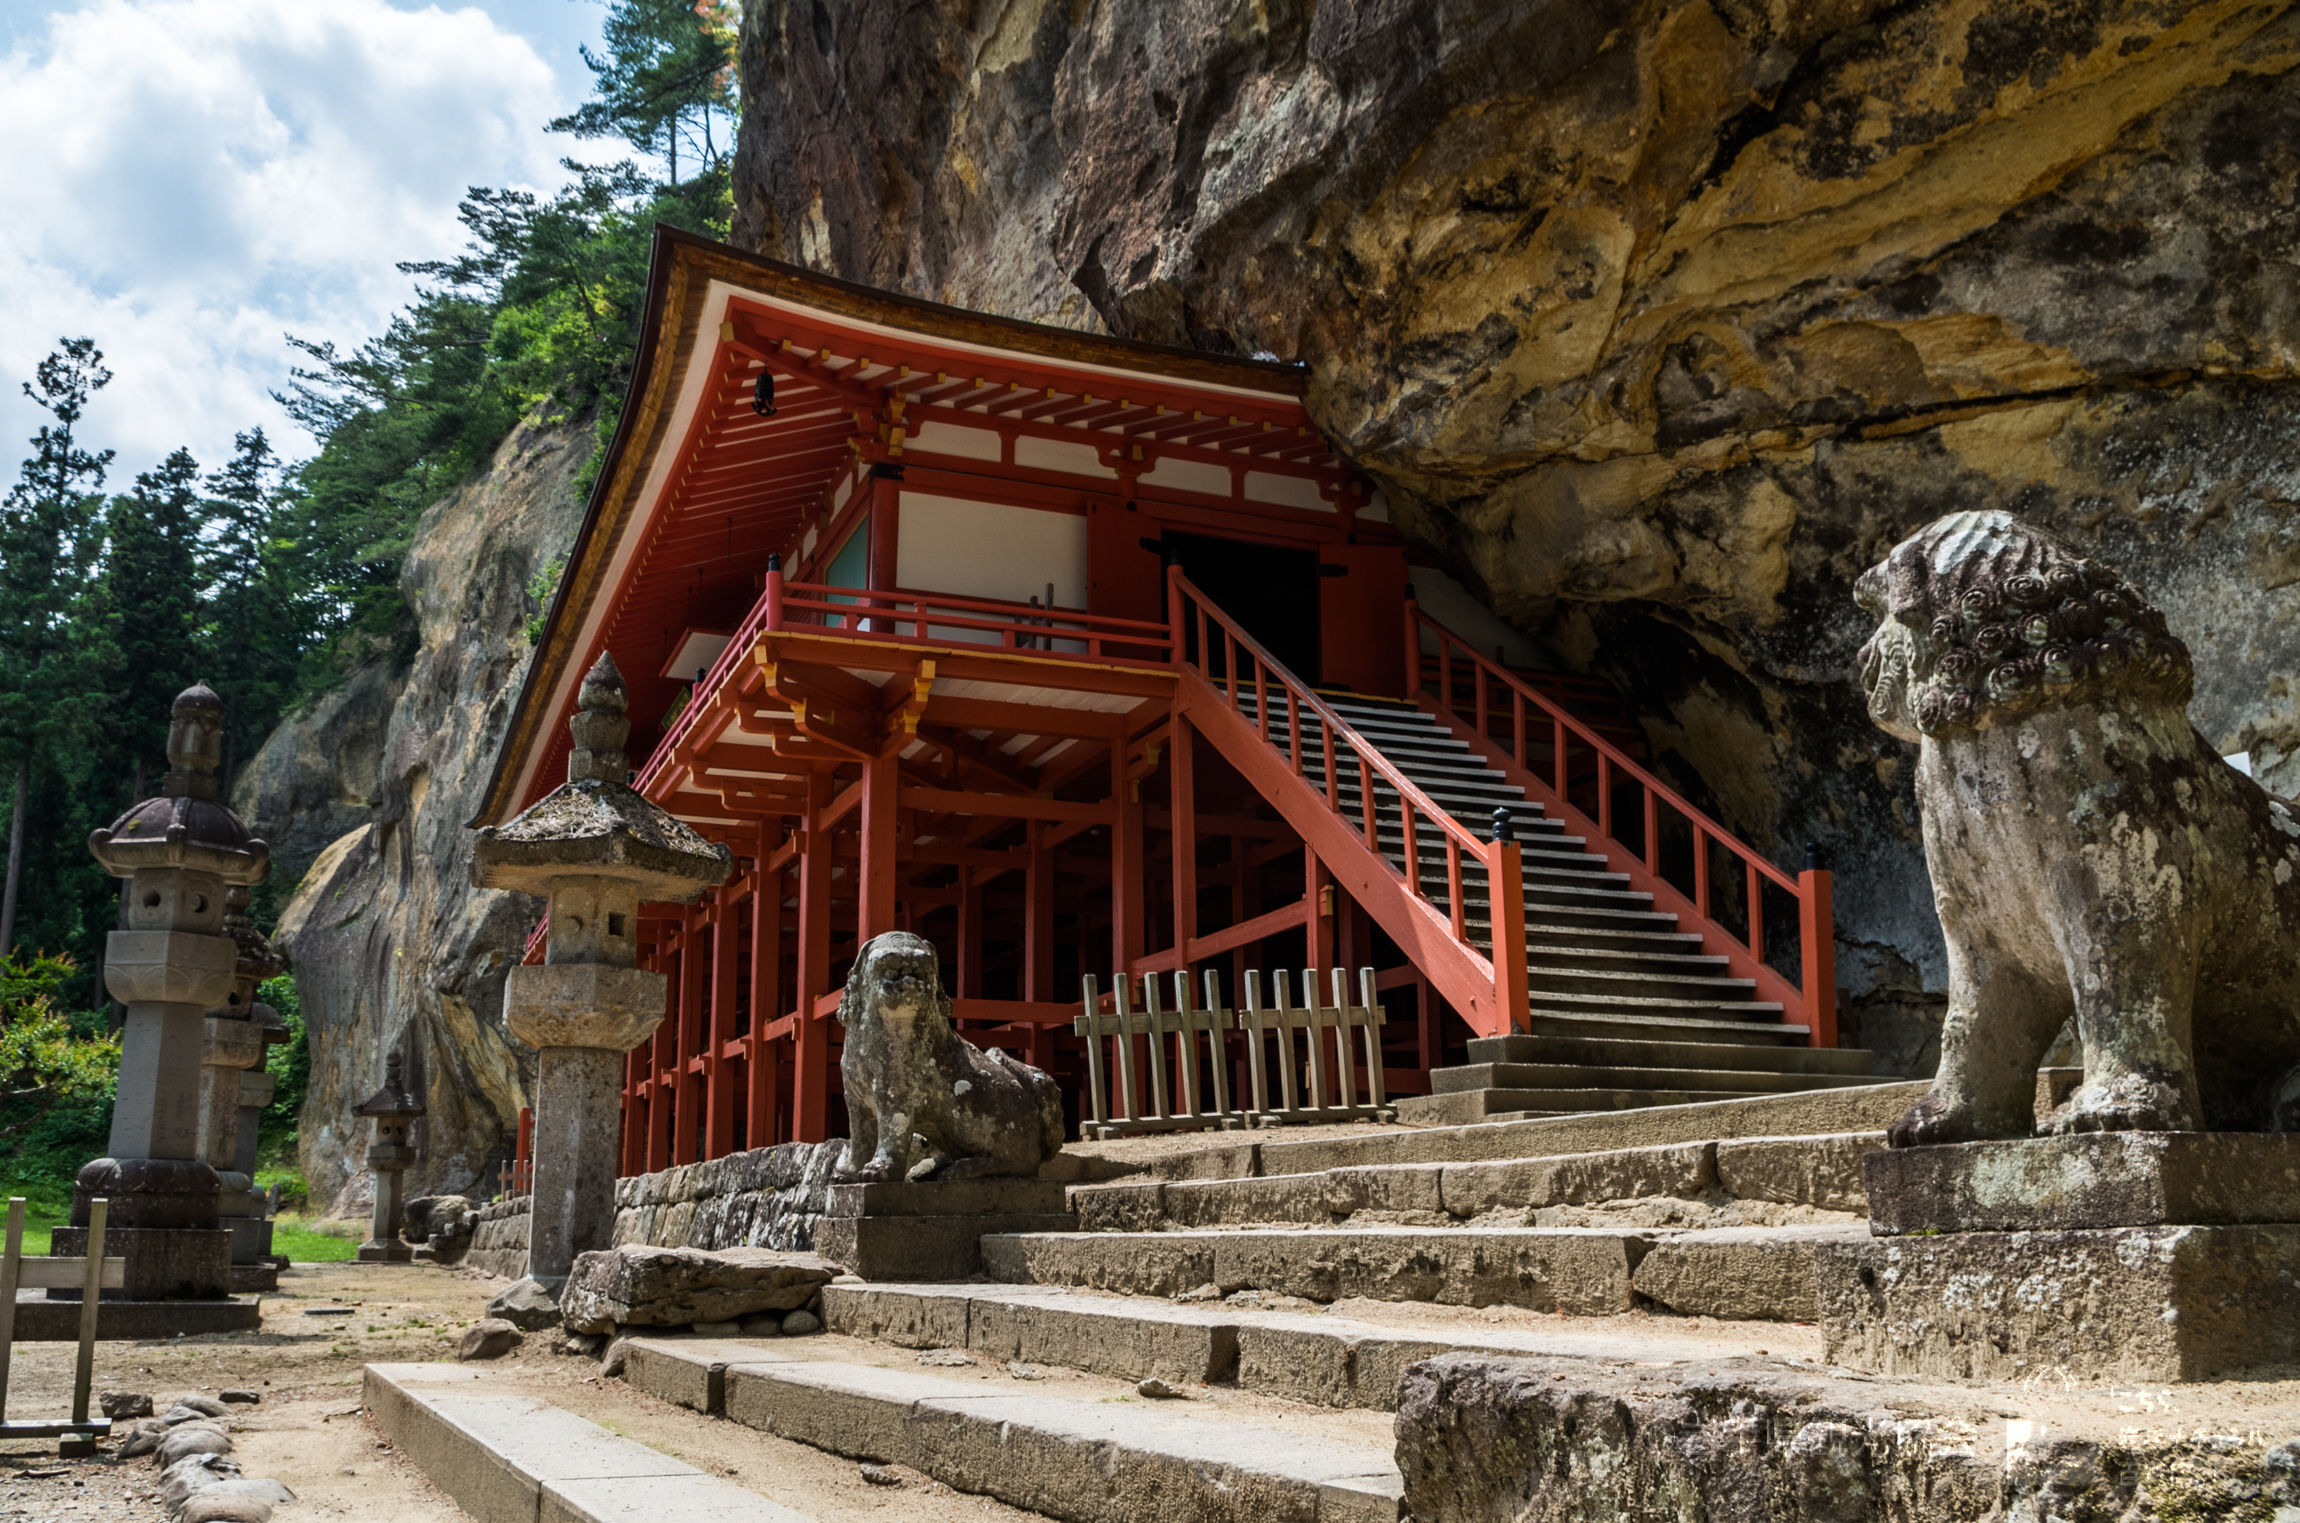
1467	979
1814	998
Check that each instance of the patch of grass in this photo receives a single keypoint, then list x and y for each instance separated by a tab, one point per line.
39	1222
309	1242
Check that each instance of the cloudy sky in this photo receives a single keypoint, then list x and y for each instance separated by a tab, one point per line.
187	180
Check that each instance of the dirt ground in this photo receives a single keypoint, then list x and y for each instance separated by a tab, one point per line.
310	1432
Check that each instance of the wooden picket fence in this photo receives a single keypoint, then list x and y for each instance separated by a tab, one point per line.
93	1274
1184	1051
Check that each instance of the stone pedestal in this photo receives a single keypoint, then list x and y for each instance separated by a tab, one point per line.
384	1245
2125	1255
578	1115
252	1266
391	1154
914	1232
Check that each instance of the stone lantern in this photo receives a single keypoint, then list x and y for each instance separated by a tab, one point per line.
596	849
394	1111
180	853
236	1038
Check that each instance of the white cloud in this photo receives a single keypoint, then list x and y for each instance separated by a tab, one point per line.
187	179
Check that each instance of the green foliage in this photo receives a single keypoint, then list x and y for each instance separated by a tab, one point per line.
268	579
667	80
289	1064
56	1078
540	587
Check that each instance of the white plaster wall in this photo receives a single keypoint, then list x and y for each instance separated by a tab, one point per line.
990	550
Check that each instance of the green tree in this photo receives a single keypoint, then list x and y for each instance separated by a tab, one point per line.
150	607
50	541
258	614
45	1063
666	80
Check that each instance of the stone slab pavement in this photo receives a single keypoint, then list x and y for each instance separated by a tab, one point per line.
508	1458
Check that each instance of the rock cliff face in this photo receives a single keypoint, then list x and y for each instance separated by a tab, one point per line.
1657	322
367	794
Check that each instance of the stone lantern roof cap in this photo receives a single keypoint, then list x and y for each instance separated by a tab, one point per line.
393	1099
186	826
595	825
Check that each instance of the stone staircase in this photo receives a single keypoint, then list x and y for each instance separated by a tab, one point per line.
1166	1360
1627	1010
1589	1315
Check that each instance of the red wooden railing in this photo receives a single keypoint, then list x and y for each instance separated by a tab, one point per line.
1022	628
1430	837
946	619
1506	710
518	1176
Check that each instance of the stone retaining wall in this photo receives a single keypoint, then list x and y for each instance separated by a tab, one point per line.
764	1198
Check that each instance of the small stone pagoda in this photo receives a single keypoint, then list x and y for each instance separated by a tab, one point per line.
239	1032
181	853
390	1154
596	849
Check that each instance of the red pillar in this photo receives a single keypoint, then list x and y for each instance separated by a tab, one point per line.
686	1109
875	893
810	1059
969	935
718	1067
635	1070
766	1001
1126	885
663	1053
1185	841
1038	937
885	514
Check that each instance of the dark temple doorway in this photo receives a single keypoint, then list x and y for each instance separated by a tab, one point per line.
1270	590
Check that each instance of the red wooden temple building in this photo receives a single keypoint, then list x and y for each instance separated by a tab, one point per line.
1082	656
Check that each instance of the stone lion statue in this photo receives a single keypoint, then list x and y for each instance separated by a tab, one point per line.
923	1102
2091	854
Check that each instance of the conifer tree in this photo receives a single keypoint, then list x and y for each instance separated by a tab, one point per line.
257	620
50	540
667	77
151	611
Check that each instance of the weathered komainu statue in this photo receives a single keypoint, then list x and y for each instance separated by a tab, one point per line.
917	1091
2091	854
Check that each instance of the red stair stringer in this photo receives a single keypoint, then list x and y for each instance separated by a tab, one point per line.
1462	975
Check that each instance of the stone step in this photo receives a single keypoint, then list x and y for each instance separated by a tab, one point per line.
1869	1108
1323	1359
1736	1274
1080	1459
1640	1004
1548	1078
1821	1172
1623	1026
1664	938
1581	1271
1660	983
510	1458
1428	1109
1658	1053
1632	955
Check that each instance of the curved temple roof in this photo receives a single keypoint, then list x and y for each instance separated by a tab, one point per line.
698	487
